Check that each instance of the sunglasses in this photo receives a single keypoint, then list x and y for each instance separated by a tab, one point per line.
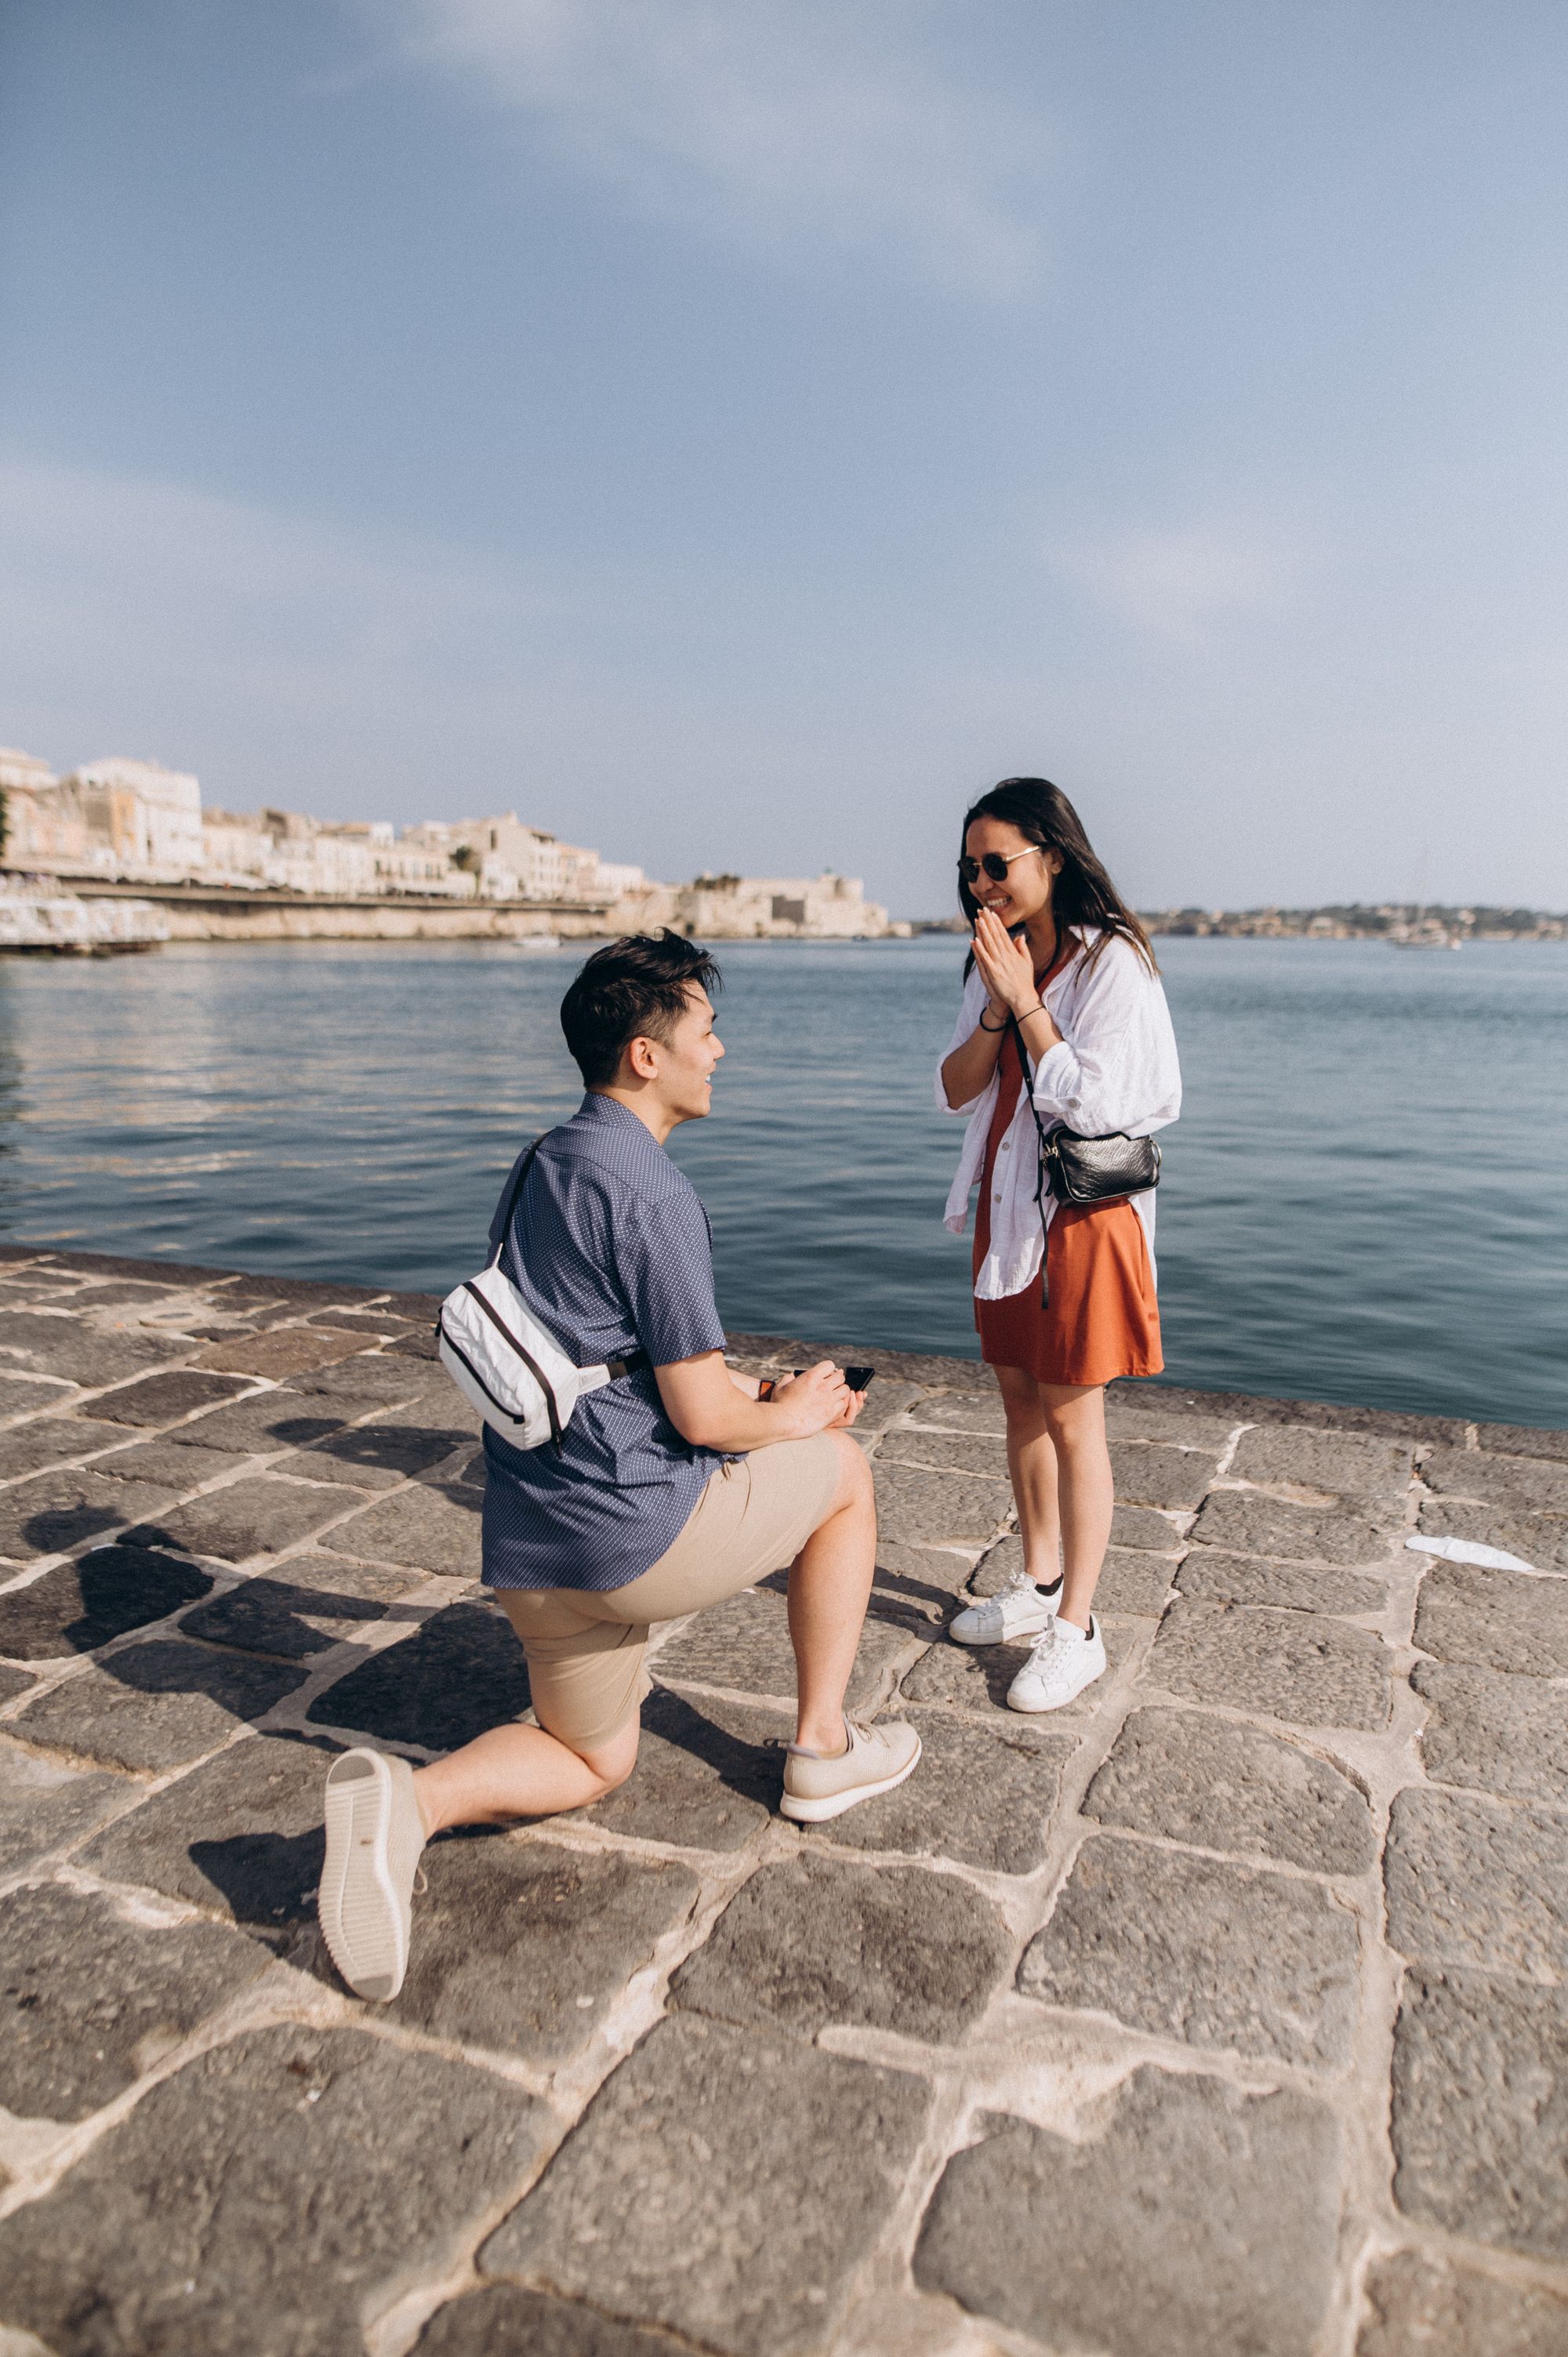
996	864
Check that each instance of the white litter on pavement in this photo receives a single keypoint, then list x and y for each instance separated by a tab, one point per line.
1466	1551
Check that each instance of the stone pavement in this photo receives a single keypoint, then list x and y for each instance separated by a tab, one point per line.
1223	2015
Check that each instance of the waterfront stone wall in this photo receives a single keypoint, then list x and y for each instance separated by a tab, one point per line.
1221	2015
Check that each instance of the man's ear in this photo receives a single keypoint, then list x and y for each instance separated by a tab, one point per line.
644	1062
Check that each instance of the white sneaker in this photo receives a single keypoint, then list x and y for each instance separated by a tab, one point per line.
1019	1609
375	1837
1062	1661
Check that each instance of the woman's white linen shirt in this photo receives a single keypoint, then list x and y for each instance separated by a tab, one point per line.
1114	1068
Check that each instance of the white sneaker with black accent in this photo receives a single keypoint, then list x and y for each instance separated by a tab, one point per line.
1022	1608
1062	1661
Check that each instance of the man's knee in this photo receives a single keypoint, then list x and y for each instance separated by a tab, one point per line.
611	1762
854	1485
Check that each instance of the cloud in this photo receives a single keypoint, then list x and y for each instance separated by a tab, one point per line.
1182	584
828	125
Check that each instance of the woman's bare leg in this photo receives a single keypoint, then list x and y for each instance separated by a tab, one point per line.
1074	1418
830	1585
1032	1464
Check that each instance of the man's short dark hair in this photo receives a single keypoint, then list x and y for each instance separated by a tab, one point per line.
631	990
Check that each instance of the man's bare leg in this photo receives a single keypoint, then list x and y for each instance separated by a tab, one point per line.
830	1585
521	1771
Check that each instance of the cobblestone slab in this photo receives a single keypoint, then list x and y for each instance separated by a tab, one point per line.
723	2133
44	1805
39	1344
433	1529
20	1397
1522	1440
240	1838
263	1516
1495	1618
1296	1666
89	1999
1187	1861
314	1603
1480	2109
1540	1540
1533	1482
1251	1522
1190	1948
78	1606
461	1672
1415	2309
1211	1576
708	1775
1225	2249
744	1645
154	1705
982	1795
57	1510
261	1425
1497	1733
939	1509
1149	1475
504	2321
162	1399
808	1942
522	1946
1220	1785
1336	1462
166	2236
57	1440
1477	1882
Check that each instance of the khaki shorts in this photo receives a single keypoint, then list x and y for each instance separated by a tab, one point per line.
586	1650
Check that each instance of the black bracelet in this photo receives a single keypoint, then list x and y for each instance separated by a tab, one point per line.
992	1028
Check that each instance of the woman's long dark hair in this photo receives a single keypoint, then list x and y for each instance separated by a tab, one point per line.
1083	893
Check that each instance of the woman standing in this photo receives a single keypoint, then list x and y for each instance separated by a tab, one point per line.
1061	991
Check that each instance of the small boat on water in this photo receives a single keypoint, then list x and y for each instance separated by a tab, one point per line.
1426	933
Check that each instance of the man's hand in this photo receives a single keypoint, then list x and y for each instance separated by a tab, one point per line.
708	1407
818	1401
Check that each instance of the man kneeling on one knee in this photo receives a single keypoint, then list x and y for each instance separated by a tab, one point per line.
677	1484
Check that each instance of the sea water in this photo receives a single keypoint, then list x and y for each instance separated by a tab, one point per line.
1366	1197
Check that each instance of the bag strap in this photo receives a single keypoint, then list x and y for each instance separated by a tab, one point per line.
514	1194
634	1362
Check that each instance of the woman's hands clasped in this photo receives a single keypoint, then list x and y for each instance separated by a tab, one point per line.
1006	965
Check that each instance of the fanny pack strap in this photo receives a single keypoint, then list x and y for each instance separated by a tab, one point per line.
635	1361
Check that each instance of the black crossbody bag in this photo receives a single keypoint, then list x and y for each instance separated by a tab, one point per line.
1088	1170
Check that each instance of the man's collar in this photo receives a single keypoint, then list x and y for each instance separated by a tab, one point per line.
596	1107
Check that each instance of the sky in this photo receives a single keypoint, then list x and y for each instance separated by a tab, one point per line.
733	435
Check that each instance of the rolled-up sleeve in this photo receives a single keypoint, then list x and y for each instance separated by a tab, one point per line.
967	1018
1117	1067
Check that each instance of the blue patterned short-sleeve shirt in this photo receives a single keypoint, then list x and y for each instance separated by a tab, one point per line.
611	1249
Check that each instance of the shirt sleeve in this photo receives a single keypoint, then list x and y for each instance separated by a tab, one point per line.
1115	1068
664	1259
967	1018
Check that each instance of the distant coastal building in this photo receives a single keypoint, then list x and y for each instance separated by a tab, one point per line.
133	822
828	907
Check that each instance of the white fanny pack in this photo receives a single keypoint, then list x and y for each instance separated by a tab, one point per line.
503	1361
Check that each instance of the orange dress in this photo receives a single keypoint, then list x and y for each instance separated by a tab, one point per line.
1097	1316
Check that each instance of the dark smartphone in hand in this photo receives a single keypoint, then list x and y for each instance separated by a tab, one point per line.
858	1378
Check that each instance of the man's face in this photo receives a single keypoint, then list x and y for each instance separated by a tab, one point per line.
687	1057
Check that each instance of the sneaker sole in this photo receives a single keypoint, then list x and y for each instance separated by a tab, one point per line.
1035	1709
360	1920
1030	1628
817	1812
